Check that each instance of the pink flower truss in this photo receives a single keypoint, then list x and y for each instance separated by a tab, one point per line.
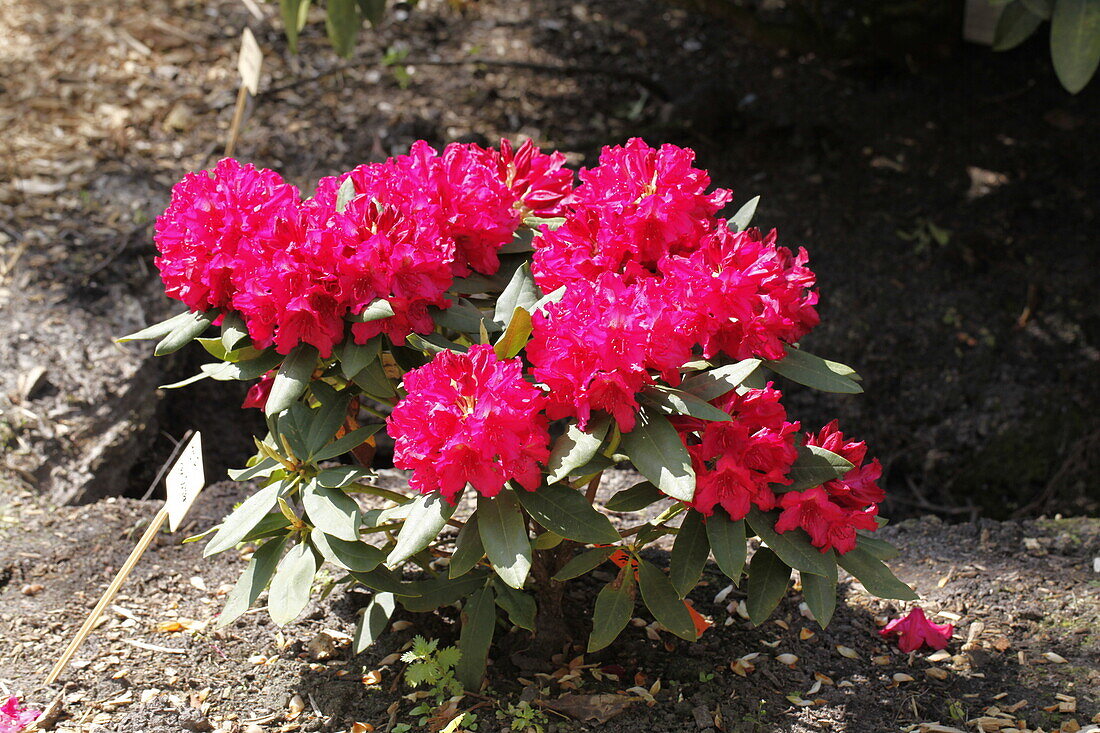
470	418
859	487
915	630
829	525
537	180
14	717
210	215
595	347
736	461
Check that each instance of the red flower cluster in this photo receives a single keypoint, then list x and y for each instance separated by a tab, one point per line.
831	513
736	461
470	418
241	239
915	630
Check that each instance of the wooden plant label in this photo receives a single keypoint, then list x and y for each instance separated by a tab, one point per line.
185	481
249	62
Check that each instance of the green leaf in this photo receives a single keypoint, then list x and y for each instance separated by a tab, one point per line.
504	535
340	476
564	510
372	379
263	467
157	330
614	607
327	418
293	13
521	292
331	511
793	547
815	372
272	525
674	402
727	543
740	221
519	606
464	317
1042	8
376	310
428	514
242	520
768	579
234	330
292	378
373	11
655	449
440	591
354	357
244	371
576	447
291	424
354	439
433	343
252	581
716	382
478	623
689	554
1075	42
357	556
216	349
585	562
820	595
634	499
184	332
514	338
879	549
373	621
876	577
468	549
385	581
548	540
663	602
345	194
813	467
1015	26
291	585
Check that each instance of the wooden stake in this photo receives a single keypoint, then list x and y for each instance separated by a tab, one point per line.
108	595
238	118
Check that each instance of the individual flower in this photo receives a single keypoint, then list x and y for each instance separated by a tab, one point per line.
915	630
14	717
537	180
210	216
596	346
259	392
737	460
859	487
829	525
470	419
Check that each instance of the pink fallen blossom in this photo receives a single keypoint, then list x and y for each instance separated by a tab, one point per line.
14	717
915	630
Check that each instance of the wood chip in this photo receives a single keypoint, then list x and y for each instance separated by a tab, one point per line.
847	652
936	673
1055	658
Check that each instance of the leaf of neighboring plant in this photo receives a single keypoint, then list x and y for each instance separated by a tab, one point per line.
655	449
468	549
291	379
876	577
515	336
184	332
252	581
585	562
636	498
740	221
428	514
373	621
354	357
1075	42
521	292
793	547
519	606
338	477
478	623
815	372
663	602
813	467
327	418
576	447
243	519
290	10
373	11
385	581
820	595
357	556
675	402
876	548
1015	26
727	543
564	510
689	554
291	585
372	379
614	607
342	445
440	591
157	330
331	511
376	310
504	535
768	579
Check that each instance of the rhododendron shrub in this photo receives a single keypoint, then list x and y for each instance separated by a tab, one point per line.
519	332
